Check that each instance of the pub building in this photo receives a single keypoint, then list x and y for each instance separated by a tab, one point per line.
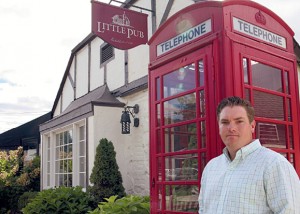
157	101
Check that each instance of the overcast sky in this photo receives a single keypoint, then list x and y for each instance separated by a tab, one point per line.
35	45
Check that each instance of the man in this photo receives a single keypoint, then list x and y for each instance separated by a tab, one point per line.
246	178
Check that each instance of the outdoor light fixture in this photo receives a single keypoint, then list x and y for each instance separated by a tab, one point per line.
125	118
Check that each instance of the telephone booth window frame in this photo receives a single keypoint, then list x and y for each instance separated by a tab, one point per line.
170	174
276	133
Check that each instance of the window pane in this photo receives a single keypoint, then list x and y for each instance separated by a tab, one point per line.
202	103
81	133
48	154
287	85
158	142
247	94
48	167
179	80
180	109
48	179
291	137
271	135
82	164
182	198
292	159
82	148
158	114
203	134
265	76
63	159
245	68
70	151
268	105
82	180
181	167
158	97
159	168
201	73
203	161
290	118
181	138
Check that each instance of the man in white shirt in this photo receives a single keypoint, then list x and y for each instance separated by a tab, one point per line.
246	178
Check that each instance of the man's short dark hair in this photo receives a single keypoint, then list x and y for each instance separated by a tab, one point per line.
236	101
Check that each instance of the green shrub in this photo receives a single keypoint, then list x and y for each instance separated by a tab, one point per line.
105	175
126	205
60	200
25	199
9	197
17	178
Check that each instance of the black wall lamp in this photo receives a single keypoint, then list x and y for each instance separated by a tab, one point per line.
125	118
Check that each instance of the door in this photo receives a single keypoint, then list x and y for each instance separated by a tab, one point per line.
269	82
181	136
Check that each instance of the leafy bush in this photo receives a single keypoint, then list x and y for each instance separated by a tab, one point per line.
60	200
10	163
105	175
9	197
25	199
15	179
126	205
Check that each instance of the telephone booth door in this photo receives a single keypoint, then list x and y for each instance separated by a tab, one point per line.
180	143
268	82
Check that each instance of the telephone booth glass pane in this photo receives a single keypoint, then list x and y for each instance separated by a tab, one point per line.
180	109
179	138
268	105
182	198
158	88
245	69
286	79
201	73
271	135
265	76
203	134
181	167
180	80
291	137
202	103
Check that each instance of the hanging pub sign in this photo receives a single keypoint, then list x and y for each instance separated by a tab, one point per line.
120	27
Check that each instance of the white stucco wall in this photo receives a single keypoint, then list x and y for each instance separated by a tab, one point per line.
116	71
138	60
97	73
132	151
57	109
82	72
67	95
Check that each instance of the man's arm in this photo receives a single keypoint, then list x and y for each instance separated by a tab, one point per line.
282	188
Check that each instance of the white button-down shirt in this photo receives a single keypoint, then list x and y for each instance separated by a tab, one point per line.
257	181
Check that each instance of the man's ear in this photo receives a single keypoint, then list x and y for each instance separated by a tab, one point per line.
253	124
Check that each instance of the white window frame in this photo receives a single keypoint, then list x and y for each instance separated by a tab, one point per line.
49	167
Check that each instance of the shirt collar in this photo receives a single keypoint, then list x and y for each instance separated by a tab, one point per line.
244	151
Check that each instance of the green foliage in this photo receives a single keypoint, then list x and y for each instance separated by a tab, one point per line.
15	179
105	175
60	200
25	199
9	196
30	175
9	166
126	205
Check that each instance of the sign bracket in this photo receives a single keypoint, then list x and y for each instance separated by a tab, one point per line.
131	5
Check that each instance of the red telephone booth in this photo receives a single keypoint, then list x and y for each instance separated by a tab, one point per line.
200	55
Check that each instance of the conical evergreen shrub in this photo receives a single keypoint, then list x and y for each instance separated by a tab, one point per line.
106	177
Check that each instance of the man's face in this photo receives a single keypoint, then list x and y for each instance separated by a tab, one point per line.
235	128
